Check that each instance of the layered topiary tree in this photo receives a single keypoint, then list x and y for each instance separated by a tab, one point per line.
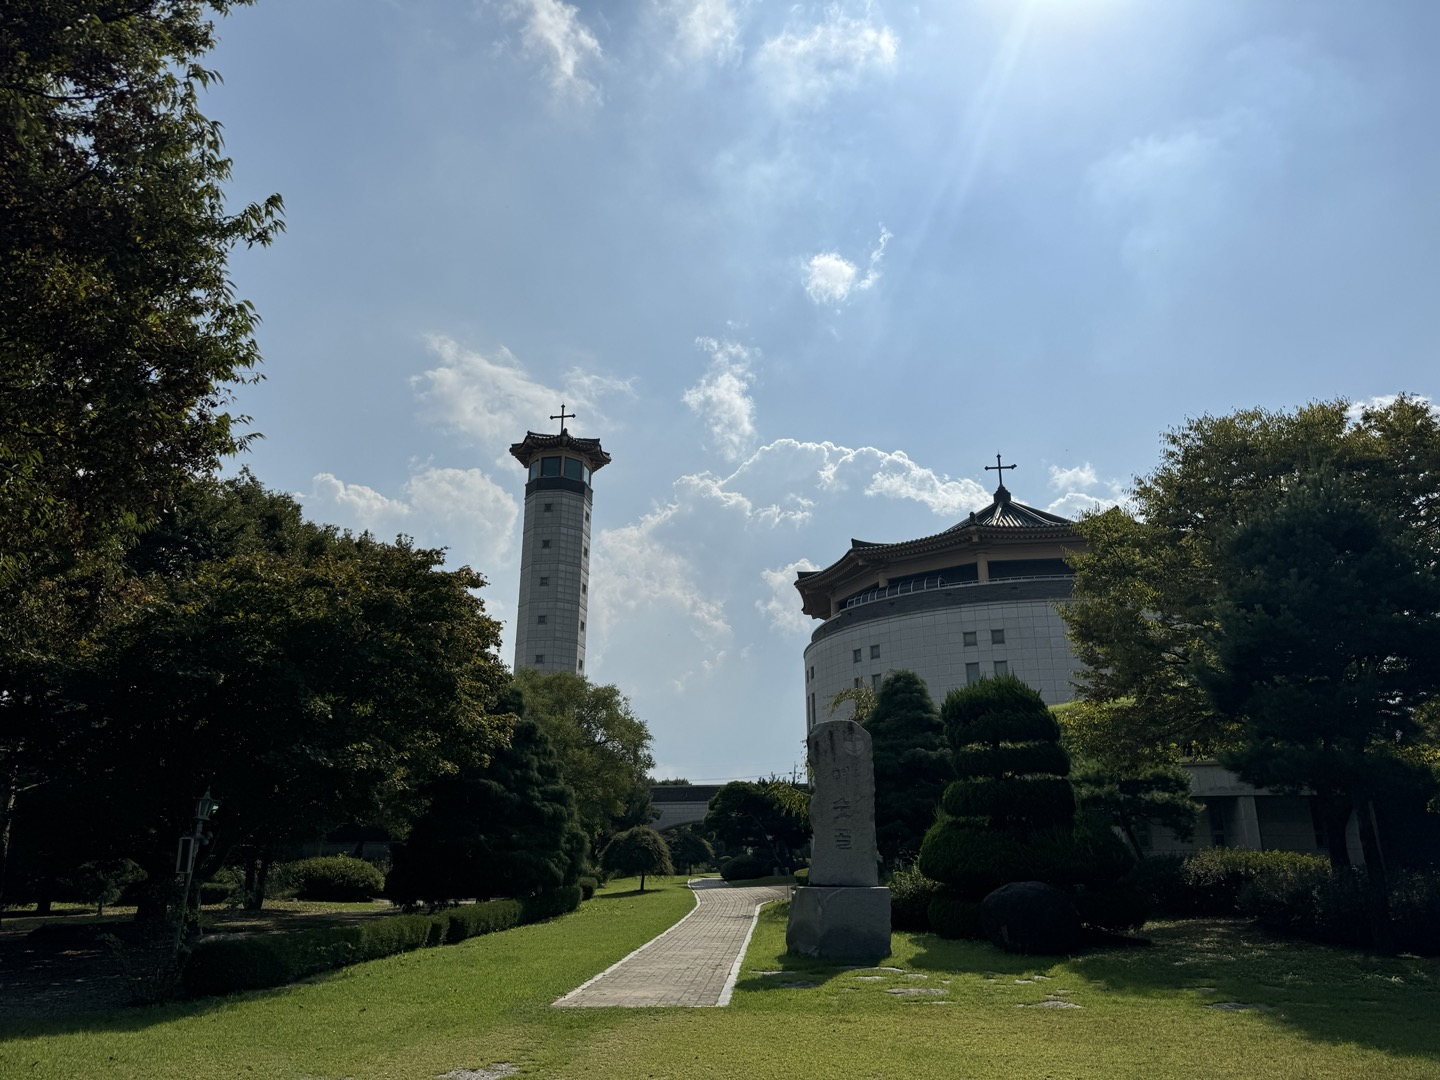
1010	814
912	765
640	850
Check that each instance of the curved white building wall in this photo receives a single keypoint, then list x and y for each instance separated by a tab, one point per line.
927	633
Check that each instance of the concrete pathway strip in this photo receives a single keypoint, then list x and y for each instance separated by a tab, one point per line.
694	963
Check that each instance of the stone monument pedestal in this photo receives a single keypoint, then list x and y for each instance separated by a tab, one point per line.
843	922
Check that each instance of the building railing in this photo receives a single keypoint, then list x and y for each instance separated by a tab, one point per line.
937	581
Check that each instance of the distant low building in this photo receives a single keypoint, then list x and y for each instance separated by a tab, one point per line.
681	804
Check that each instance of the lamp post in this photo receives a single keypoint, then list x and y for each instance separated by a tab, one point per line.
185	854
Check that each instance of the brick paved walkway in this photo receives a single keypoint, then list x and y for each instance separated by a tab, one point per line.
694	963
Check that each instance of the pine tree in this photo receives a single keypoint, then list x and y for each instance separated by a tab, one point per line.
912	766
509	829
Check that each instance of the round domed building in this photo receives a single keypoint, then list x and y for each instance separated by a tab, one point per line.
978	599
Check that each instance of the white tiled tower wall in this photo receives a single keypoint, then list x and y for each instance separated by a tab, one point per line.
931	644
554	582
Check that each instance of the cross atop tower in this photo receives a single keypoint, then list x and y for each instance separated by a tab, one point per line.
561	416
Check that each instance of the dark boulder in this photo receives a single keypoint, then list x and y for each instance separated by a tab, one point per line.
1032	917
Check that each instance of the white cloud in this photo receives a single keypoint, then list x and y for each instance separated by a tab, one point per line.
805	66
782	606
1383	401
493	399
705	30
554	32
1174	191
1076	503
463	508
722	397
634	571
1081	476
830	278
484	512
363	507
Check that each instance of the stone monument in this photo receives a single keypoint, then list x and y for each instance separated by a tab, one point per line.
842	913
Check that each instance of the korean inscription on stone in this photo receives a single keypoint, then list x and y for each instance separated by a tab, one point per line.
842	808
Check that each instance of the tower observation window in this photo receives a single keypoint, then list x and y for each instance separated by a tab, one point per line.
534	469
573	469
550	466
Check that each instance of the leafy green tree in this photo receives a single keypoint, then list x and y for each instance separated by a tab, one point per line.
861	699
772	815
688	849
120	333
640	850
1148	589
912	764
602	746
1327	639
508	828
308	678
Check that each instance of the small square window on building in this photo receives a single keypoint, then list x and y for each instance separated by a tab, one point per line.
874	652
855	656
582	626
971	638
972	674
1002	667
549	507
581	665
997	637
875	682
544	581
539	658
812	674
857	682
544	543
584	588
587	551
587	515
542	619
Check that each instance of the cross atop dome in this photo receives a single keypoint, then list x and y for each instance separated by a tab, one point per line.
562	417
1002	494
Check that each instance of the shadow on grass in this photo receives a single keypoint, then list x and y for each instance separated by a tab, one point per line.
1323	993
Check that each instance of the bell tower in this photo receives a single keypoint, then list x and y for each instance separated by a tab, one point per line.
555	548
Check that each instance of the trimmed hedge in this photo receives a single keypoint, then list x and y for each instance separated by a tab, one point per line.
746	867
336	878
1215	876
228	965
550	903
588	885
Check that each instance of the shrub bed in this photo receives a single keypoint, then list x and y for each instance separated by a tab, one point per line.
227	965
910	896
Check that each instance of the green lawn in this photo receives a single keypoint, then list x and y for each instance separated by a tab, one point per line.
1326	1013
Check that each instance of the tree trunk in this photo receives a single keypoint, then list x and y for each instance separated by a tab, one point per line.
257	874
1377	886
1335	817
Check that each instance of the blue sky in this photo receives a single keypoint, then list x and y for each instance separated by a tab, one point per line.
805	269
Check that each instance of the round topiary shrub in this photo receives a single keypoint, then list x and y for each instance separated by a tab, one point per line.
335	878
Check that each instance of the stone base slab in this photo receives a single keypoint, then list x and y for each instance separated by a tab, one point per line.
839	922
